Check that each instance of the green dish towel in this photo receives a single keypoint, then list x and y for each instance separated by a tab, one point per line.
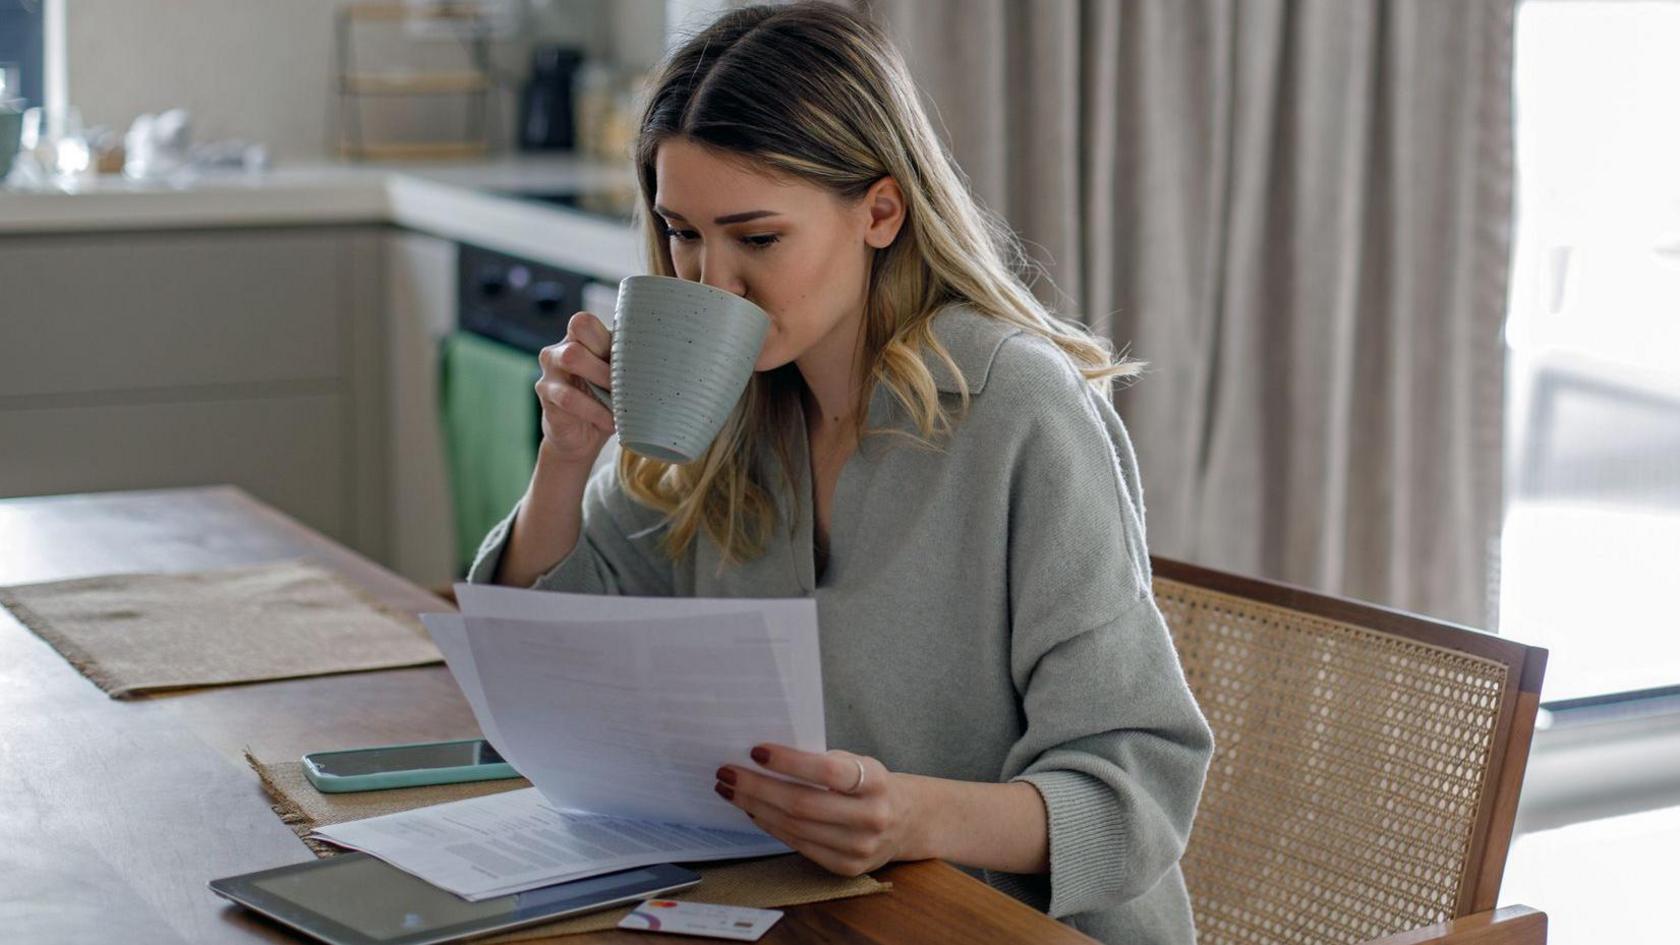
491	427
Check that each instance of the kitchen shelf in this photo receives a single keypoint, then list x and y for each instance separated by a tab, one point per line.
420	150
402	11
358	88
415	83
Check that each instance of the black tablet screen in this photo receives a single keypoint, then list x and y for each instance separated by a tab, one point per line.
382	902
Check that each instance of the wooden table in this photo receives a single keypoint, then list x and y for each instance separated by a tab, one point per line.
114	814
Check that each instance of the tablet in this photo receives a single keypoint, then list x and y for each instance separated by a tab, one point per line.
355	899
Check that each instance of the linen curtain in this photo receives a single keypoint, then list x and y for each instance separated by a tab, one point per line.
1298	212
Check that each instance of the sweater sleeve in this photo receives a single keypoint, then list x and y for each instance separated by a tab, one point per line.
618	549
1114	740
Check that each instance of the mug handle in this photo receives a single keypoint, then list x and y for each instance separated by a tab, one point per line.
601	394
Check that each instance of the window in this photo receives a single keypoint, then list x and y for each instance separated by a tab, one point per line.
1591	543
20	50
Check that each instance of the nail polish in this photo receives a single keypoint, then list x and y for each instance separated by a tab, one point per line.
726	776
761	755
727	793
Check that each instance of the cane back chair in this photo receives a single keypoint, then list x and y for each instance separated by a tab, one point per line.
1365	772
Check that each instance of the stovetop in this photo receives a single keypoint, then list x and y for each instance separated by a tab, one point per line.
618	205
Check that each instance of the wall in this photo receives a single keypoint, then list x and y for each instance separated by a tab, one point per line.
262	69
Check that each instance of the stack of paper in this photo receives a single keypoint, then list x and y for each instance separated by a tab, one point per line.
620	711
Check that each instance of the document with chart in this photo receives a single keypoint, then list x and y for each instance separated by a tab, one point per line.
619	710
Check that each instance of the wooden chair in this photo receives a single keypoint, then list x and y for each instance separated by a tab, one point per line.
1365	772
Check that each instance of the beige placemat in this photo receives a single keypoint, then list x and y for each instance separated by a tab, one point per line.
131	633
762	883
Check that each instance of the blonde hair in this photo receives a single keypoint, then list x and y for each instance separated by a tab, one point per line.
844	114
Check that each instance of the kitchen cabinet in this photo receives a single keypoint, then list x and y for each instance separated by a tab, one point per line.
278	332
420	290
253	356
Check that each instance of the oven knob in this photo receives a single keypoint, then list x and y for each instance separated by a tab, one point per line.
547	297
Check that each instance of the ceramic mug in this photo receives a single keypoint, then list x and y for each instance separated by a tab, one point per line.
682	354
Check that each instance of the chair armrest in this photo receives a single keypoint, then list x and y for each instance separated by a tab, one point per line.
1510	925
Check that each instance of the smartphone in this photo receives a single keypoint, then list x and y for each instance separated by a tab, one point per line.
395	766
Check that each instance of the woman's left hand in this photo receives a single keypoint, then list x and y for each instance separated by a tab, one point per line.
845	833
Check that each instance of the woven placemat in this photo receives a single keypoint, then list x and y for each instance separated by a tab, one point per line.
131	633
761	883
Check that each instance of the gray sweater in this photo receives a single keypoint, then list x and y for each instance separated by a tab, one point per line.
985	615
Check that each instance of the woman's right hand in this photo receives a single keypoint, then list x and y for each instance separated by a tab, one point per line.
574	424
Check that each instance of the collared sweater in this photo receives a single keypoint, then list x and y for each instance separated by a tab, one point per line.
985	614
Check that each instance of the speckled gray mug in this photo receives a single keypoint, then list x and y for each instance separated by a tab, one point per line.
682	353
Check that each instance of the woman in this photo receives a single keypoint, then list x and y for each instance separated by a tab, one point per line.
922	448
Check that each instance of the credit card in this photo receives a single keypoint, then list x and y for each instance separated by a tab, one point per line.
701	918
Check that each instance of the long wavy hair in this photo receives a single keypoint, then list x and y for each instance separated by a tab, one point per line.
813	91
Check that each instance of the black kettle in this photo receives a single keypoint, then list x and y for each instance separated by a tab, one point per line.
546	119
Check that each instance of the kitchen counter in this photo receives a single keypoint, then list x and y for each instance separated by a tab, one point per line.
463	202
279	331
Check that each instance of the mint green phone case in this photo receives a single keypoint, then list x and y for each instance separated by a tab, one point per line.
385	780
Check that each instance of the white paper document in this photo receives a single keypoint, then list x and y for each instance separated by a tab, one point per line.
506	843
620	711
